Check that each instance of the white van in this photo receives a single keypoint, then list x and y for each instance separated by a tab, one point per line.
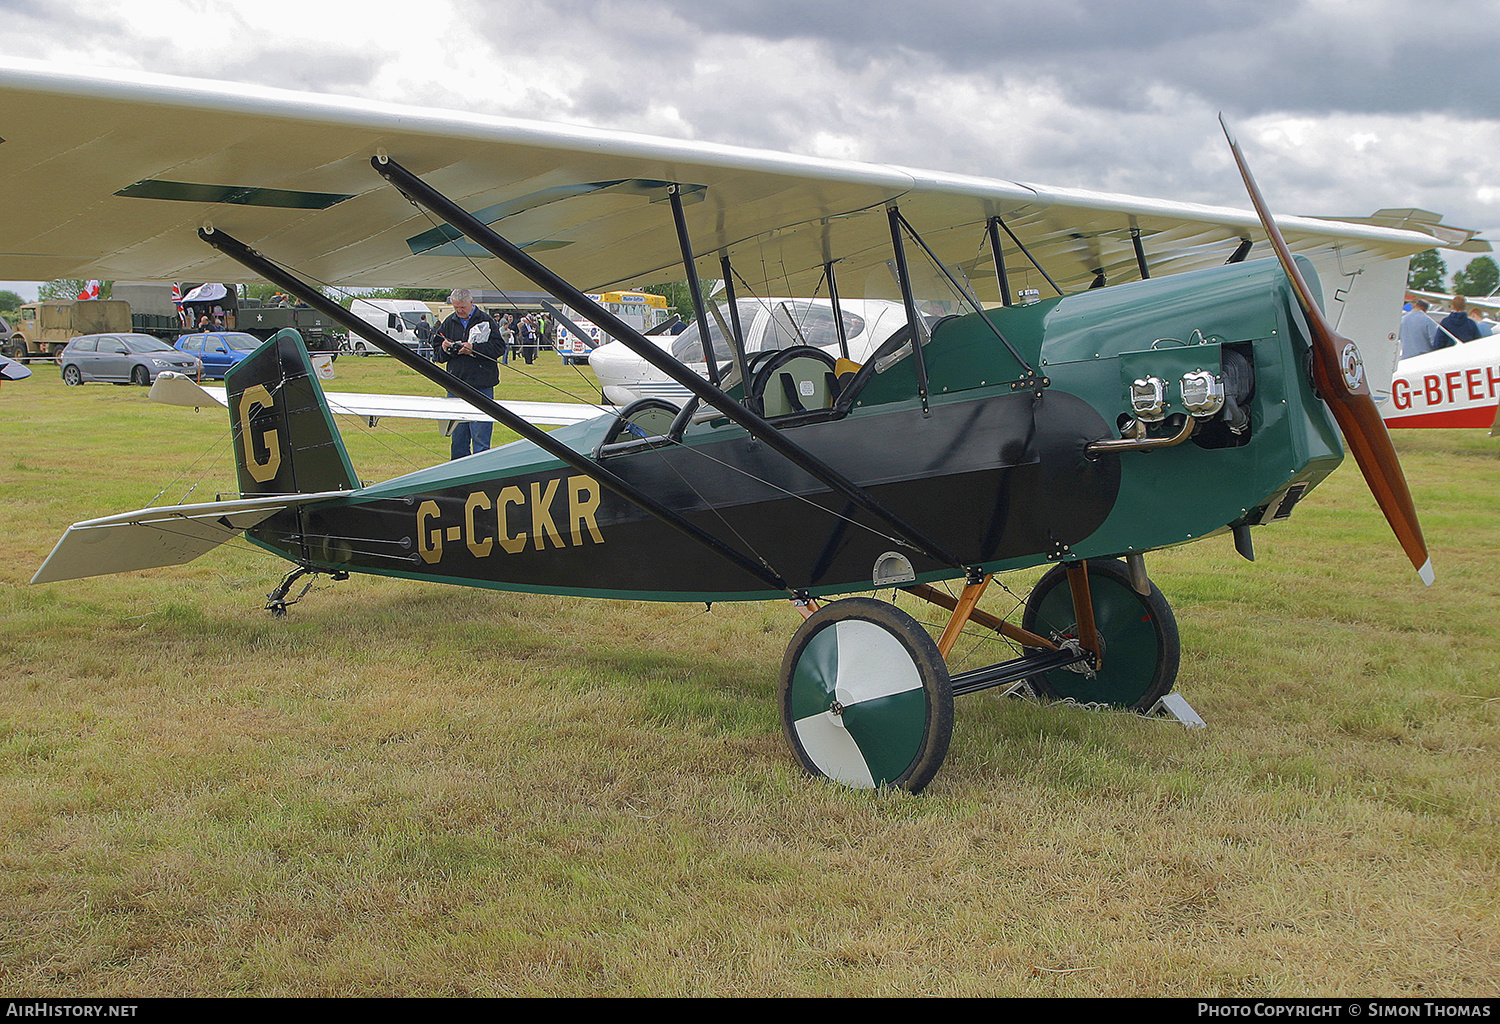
399	319
767	323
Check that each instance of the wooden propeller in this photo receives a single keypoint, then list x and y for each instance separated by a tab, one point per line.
1339	375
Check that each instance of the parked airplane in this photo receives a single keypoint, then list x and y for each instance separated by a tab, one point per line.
1165	390
767	326
1457	386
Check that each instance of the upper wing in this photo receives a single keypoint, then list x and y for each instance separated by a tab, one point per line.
175	389
113	173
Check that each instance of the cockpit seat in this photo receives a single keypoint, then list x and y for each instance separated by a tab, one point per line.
797	379
644	423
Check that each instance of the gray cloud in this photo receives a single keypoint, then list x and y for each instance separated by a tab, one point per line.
1239	55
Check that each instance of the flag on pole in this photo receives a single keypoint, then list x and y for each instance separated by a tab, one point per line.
90	291
182	313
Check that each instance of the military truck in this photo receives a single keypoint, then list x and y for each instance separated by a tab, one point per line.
255	317
43	328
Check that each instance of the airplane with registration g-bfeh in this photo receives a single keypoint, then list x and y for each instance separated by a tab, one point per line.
1164	389
1455	387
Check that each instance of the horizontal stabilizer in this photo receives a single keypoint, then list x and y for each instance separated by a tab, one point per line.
152	537
175	389
12	370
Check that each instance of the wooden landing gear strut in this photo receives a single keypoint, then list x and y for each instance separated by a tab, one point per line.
867	699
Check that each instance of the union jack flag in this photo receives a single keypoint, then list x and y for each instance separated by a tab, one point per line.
182	314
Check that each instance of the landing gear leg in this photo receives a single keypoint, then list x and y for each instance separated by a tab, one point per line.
276	601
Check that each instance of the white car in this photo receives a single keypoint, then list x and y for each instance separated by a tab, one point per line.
768	324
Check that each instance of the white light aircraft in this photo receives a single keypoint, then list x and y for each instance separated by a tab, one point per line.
1453	387
767	325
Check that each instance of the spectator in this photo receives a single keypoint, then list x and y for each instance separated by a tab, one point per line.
423	331
1418	331
527	331
1457	324
469	342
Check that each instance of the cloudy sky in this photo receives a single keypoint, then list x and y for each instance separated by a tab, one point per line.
1343	106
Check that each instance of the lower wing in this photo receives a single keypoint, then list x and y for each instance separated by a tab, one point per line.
175	389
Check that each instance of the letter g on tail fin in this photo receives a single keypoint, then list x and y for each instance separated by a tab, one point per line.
285	441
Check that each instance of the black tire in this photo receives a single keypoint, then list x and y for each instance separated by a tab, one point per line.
140	377
72	376
1139	633
865	697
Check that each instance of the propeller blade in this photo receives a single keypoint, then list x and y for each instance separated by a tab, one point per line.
1339	376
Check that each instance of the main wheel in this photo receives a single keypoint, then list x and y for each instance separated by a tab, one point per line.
865	697
1137	631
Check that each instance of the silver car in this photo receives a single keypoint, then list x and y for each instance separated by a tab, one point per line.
122	359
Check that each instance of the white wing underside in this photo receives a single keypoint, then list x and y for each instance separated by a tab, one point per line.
111	174
153	537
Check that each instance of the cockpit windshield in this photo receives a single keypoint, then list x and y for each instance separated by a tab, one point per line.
688	347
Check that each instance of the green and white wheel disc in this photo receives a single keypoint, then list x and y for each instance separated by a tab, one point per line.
1139	634
865	697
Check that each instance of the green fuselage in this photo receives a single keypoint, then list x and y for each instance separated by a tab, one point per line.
997	470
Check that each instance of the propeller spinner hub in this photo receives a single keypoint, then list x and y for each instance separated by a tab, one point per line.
1352	365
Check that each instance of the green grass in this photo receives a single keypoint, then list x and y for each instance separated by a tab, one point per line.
410	789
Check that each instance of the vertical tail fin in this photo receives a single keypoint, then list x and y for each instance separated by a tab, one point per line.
285	441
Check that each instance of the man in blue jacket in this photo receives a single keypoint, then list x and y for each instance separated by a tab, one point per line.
1457	324
469	342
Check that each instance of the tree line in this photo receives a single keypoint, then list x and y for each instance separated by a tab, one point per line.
1427	272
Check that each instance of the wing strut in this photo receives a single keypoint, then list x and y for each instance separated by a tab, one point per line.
913	317
998	255
695	289
736	330
1140	253
243	254
424	195
1024	251
838	311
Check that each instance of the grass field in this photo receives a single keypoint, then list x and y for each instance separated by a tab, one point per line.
410	789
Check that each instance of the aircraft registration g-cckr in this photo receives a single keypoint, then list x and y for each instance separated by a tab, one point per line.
1163	389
